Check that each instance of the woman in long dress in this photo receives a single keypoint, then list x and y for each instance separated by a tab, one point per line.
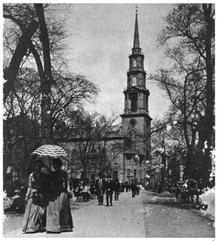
34	215
58	210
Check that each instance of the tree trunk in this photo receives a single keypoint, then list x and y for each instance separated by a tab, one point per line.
84	174
209	116
46	128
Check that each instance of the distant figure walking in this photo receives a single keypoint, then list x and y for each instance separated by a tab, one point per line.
116	189
86	191
109	187
126	186
99	186
133	188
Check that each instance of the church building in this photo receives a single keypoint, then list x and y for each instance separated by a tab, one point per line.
134	135
136	121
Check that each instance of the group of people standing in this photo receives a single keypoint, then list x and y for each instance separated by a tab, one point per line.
47	207
83	189
47	200
107	187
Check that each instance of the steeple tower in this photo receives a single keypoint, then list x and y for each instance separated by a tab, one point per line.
136	117
136	94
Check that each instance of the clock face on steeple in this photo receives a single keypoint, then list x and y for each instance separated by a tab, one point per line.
133	122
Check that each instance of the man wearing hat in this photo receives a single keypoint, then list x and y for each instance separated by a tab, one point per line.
99	186
109	187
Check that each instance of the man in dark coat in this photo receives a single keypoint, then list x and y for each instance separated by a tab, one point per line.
116	188
109	187
99	186
133	188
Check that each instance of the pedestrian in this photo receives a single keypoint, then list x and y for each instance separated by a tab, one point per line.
138	188
79	190
129	186
99	186
35	209
126	186
116	188
109	187
133	188
185	191
58	210
160	189
123	187
86	191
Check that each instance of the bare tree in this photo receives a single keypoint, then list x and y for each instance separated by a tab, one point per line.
37	44
45	97
189	84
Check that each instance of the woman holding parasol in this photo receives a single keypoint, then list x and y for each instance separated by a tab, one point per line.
58	215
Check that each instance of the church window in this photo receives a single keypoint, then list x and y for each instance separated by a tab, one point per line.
128	173
140	76
134	63
134	81
115	174
133	98
128	162
133	104
128	157
115	158
139	64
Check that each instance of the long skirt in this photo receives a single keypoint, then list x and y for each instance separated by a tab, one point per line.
33	217
58	216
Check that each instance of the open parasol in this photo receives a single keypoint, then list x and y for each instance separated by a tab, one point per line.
47	150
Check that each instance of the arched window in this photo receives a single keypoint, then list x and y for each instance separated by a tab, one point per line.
133	98
134	64
134	81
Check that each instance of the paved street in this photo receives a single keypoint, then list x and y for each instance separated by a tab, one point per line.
146	215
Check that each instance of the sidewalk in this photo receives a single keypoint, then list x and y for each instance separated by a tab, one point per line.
120	220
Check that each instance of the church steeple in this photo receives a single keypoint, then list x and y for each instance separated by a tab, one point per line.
136	94
136	45
136	33
136	121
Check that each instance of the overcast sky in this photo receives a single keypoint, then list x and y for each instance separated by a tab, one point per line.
101	39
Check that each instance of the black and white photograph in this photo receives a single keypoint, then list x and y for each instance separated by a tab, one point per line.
108	120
